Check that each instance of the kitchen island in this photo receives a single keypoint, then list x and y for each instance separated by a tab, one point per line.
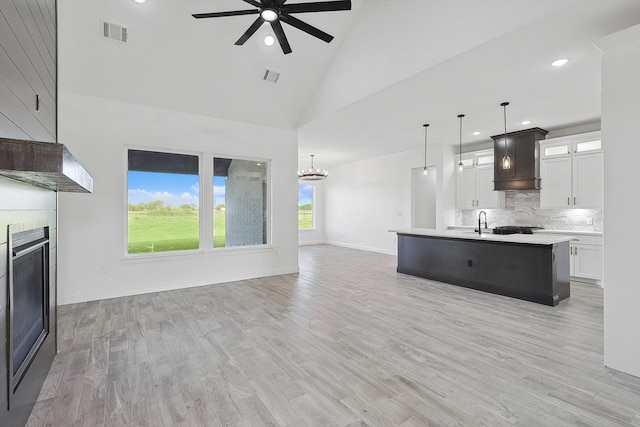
529	267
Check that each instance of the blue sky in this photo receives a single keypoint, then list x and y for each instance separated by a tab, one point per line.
179	189
305	194
173	189
218	189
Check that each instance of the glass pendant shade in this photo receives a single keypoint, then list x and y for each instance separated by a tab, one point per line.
506	160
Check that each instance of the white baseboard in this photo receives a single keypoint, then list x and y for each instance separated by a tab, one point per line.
316	242
117	293
362	248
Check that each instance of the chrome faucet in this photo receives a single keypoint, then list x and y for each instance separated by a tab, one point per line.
479	221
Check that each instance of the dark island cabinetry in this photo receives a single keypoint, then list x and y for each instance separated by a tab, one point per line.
532	272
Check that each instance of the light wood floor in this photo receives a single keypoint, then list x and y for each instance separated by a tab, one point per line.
347	342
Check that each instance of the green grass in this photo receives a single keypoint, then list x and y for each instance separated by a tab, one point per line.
305	219
154	232
218	229
176	231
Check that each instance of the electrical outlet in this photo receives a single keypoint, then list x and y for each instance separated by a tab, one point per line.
103	269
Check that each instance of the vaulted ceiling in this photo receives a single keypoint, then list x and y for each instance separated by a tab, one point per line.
393	65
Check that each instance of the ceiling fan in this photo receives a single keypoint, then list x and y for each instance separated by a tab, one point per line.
276	11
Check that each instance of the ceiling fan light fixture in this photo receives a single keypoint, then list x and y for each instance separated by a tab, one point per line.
269	15
559	62
269	40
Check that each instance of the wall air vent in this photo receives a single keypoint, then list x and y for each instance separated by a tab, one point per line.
115	32
271	76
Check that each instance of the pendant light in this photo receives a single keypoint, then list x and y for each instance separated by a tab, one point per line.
460	165
506	160
426	125
312	174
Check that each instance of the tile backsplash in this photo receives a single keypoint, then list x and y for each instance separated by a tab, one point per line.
523	208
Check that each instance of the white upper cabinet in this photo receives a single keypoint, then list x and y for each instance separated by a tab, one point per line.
571	172
475	183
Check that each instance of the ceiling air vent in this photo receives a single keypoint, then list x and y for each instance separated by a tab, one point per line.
115	32
271	76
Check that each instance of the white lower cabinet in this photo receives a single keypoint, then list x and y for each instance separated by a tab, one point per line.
585	256
587	261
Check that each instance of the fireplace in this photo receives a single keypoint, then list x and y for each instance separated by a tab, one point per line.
28	301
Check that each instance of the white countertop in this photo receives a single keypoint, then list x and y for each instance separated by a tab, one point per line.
531	239
568	232
542	231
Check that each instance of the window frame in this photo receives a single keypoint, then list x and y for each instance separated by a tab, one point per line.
178	253
267	211
205	208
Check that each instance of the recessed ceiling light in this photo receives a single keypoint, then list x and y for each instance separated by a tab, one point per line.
269	40
269	15
559	62
476	133
139	1
526	122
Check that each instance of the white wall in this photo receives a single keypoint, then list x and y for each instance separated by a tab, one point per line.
92	226
317	235
621	139
367	198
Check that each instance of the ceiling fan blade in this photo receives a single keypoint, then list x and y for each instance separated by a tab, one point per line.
252	29
221	14
282	39
254	3
325	6
309	29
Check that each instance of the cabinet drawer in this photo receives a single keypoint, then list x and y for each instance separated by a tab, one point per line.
587	240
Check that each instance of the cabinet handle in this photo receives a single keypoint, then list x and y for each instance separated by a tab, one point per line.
574	201
568	201
570	250
576	251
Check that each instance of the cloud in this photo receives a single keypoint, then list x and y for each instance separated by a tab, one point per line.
140	195
219	192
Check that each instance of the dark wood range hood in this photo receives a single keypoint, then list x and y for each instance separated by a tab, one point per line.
43	164
523	149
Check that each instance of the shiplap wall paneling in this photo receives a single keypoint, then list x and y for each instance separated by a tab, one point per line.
28	69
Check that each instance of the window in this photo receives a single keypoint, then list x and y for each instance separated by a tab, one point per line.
240	202
305	207
163	202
